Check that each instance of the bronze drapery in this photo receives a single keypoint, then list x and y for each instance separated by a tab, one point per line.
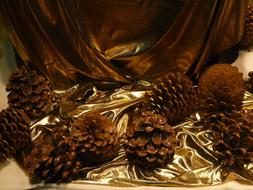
75	40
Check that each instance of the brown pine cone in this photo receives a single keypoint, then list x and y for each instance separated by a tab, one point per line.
247	38
150	141
96	139
173	95
14	132
30	91
221	89
53	158
249	82
232	137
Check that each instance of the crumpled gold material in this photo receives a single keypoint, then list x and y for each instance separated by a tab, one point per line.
194	162
87	46
77	41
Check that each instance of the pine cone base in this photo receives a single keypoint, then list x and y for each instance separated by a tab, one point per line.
232	137
221	89
29	91
96	139
150	141
14	132
53	158
173	96
247	38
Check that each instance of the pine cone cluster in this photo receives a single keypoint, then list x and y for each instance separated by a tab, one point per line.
247	39
14	132
173	96
30	91
150	141
221	89
95	137
53	158
57	156
232	137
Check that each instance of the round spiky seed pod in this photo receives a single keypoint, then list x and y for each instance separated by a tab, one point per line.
96	139
30	91
150	141
173	96
14	132
232	137
221	89
249	82
53	158
247	38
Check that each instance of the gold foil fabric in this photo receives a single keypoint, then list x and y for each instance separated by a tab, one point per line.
77	41
194	162
85	47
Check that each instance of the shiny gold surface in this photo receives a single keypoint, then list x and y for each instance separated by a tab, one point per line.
194	162
76	41
84	46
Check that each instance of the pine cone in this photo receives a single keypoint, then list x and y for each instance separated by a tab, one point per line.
30	91
249	82
232	137
247	38
14	132
221	89
150	141
96	139
53	158
173	95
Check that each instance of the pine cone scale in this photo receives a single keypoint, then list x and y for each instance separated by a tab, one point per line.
29	91
147	148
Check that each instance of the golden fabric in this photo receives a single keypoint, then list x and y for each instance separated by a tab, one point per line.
96	41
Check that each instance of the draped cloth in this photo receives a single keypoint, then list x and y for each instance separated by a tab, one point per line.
75	41
120	41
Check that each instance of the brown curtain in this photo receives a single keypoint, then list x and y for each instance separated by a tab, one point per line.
73	41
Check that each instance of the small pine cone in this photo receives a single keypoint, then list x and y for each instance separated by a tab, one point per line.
96	139
249	82
30	91
53	159
247	38
221	89
173	95
232	137
150	141
14	132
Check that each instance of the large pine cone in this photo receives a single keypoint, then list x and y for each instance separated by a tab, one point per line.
96	139
53	158
14	132
173	95
29	91
221	89
232	137
247	39
150	141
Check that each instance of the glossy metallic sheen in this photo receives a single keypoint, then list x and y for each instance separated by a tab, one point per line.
76	41
194	162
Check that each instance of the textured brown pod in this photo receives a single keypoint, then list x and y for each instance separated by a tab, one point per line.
30	91
232	137
173	96
53	158
247	39
150	141
221	89
96	139
14	132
